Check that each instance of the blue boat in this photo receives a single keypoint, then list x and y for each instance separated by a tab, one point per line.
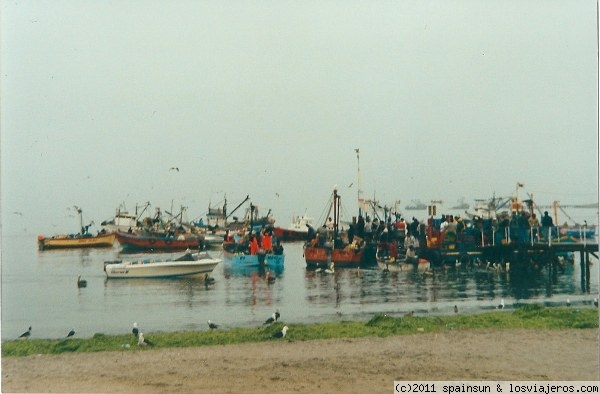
254	260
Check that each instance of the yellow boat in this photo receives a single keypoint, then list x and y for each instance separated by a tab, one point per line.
76	241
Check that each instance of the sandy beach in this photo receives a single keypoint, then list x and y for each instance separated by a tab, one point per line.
340	365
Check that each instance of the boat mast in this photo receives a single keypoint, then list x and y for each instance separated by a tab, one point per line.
336	214
358	181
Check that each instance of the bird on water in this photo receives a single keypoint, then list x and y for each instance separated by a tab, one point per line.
26	334
270	319
81	282
212	325
71	333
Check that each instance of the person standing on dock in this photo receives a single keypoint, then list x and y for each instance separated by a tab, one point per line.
547	225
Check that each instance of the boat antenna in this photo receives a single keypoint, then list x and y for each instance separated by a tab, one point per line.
357	150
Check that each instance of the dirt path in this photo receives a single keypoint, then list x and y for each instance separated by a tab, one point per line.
358	365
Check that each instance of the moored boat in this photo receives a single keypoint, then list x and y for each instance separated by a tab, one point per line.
255	260
76	241
329	246
82	239
297	230
154	242
188	265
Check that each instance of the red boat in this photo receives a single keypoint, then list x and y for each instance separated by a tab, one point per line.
332	246
297	231
342	258
137	242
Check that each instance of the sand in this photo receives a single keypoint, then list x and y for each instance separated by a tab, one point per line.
366	365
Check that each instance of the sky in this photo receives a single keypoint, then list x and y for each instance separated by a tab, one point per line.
444	100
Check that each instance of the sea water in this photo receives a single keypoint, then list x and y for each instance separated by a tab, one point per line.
39	289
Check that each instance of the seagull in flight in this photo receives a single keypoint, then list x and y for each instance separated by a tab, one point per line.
174	168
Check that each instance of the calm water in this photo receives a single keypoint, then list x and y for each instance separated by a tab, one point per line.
39	289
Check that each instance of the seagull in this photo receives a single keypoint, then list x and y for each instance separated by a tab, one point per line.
135	331
71	333
501	306
144	342
212	325
331	269
281	334
174	168
277	315
568	302
270	319
596	302
81	282
26	334
455	309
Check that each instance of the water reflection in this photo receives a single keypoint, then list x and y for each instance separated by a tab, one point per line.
474	287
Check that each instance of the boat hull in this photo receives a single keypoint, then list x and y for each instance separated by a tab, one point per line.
321	257
65	242
160	269
286	234
133	242
256	260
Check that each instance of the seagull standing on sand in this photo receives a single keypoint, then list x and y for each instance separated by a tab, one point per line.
281	334
135	331
212	325
26	334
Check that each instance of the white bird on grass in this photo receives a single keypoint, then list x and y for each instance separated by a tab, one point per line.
281	334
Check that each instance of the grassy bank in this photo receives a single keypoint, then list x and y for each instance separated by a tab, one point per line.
528	317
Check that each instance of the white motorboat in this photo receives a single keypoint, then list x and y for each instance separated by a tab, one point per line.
188	265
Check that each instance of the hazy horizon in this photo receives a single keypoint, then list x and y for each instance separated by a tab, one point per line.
445	100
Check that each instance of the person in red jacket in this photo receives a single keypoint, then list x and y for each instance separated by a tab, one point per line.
253	245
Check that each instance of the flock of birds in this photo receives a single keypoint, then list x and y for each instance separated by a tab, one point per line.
143	341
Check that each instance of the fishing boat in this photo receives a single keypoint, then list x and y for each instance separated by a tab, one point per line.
188	265
238	253
82	239
158	242
416	205
461	204
123	221
331	245
297	230
76	241
255	260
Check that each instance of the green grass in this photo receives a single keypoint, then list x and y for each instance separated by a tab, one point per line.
526	317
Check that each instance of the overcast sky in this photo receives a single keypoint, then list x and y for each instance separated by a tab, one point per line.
444	99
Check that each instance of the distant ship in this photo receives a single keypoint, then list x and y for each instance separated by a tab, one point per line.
416	205
461	204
